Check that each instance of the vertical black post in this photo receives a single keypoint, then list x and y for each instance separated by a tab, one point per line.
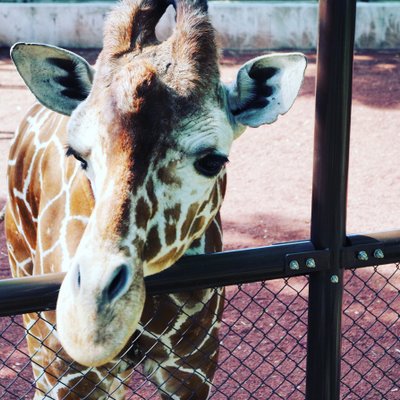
328	226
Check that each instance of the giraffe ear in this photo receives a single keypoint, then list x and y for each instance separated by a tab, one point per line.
266	87
58	78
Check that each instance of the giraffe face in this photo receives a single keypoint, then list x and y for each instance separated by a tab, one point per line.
153	135
155	194
153	199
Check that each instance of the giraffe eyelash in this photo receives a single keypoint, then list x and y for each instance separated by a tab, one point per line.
71	152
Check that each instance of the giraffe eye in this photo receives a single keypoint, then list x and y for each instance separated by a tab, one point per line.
77	156
211	164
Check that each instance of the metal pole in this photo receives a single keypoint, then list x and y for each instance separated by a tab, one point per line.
328	226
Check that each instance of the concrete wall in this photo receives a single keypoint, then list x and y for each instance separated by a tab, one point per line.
240	26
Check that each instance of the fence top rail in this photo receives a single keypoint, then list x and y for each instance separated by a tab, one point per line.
39	293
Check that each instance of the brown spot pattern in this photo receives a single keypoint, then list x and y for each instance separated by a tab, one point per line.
142	213
192	211
50	222
198	225
26	216
52	260
128	31
171	216
213	236
170	234
184	385
152	246
167	175
52	179
75	230
20	250
23	164
152	197
167	259
198	325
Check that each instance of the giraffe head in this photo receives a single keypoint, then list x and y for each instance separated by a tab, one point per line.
152	127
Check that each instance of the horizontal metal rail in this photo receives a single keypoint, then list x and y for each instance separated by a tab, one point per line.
372	249
39	293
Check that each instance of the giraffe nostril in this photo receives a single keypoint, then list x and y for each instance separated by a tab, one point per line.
76	277
119	283
79	277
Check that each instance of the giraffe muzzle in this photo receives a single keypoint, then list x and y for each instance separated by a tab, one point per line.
98	313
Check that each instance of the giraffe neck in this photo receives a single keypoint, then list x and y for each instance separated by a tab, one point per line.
50	199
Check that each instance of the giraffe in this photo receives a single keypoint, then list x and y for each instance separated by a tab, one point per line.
113	175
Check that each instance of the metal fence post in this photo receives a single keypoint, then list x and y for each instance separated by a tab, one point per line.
328	226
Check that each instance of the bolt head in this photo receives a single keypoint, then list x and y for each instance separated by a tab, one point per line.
310	263
294	265
362	255
334	279
378	253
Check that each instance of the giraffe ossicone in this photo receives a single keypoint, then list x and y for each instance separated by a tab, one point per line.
148	132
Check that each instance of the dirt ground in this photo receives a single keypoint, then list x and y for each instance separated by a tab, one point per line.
269	187
270	171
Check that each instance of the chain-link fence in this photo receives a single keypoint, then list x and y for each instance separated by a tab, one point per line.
263	349
371	334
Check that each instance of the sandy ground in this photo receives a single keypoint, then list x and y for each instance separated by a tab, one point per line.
270	170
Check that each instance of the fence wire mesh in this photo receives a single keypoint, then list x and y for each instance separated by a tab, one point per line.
371	334
262	348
